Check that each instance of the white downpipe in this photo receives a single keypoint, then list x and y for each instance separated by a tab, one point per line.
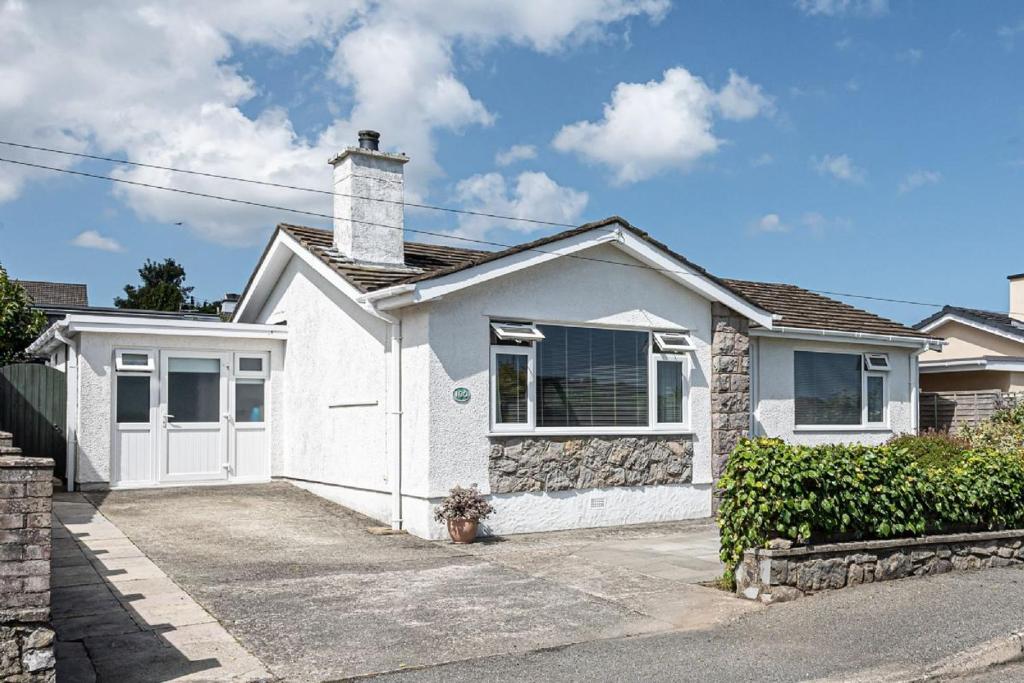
915	391
393	413
71	428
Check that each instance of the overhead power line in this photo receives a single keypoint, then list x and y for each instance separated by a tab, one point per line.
284	186
430	233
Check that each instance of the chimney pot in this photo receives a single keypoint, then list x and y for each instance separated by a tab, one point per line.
369	139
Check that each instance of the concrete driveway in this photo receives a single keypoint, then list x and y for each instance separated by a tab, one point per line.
301	585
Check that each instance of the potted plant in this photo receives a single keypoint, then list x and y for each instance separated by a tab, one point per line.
462	509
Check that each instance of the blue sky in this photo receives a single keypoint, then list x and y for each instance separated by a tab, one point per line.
867	147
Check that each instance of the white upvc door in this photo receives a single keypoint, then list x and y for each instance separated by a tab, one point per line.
248	440
193	416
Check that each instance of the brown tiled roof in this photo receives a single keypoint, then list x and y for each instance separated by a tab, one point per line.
799	307
420	259
55	293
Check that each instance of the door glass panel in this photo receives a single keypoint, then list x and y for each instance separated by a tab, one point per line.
193	390
249	398
135	359
133	399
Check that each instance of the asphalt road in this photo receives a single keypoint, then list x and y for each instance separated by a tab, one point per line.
874	632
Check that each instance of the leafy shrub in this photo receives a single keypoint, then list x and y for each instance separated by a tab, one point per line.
932	449
816	494
1004	431
984	490
465	503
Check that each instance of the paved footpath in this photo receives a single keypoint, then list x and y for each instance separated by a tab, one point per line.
119	617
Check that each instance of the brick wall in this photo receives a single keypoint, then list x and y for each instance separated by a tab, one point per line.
26	640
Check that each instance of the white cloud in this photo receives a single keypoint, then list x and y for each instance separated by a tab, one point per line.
1009	33
835	8
740	99
160	82
810	223
770	222
840	167
919	179
912	56
515	153
648	128
534	195
91	239
765	159
844	43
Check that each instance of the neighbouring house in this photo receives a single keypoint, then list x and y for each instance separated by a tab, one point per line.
984	350
589	378
54	298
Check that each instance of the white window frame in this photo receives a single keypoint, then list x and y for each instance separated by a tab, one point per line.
877	362
520	332
884	422
669	342
528	349
120	366
263	373
864	425
652	387
531	389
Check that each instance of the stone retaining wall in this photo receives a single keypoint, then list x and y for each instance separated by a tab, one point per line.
559	463
776	575
26	640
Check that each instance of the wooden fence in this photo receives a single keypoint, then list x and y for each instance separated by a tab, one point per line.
948	410
32	407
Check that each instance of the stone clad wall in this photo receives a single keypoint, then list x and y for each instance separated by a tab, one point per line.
775	575
582	462
26	640
730	384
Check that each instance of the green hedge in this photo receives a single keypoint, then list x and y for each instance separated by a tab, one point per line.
816	494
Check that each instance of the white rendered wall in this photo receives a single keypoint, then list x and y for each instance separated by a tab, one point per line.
568	291
335	357
775	408
96	357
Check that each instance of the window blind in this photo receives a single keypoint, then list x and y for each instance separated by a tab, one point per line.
591	377
828	388
512	387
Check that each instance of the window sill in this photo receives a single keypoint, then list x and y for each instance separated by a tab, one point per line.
591	432
842	428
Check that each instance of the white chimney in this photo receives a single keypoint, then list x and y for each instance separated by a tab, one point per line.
369	216
1017	296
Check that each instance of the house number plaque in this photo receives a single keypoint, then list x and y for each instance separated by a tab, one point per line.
461	395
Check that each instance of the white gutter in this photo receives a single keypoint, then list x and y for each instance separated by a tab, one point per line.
71	412
807	333
968	364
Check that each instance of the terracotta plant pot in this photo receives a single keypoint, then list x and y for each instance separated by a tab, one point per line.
462	530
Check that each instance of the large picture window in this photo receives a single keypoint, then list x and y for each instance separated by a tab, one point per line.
592	377
833	389
582	378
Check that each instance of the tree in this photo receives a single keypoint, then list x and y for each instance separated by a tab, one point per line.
20	324
163	289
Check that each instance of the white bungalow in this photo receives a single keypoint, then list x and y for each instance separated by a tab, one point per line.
590	378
